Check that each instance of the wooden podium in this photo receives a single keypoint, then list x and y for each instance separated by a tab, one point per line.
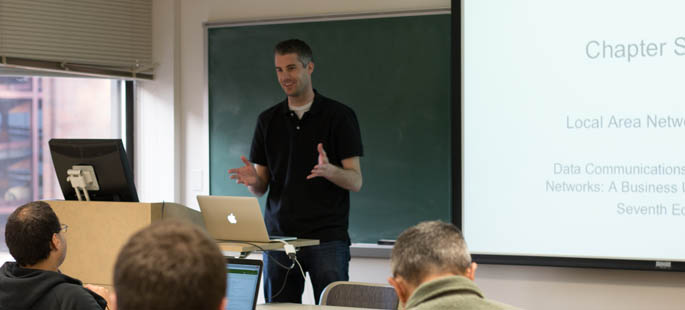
97	231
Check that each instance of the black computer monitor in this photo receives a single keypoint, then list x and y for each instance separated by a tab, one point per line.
109	162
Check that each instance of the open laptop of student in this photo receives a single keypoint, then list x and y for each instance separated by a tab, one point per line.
235	218
242	277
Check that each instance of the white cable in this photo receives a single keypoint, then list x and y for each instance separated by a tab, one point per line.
292	254
78	193
85	193
302	271
288	248
281	241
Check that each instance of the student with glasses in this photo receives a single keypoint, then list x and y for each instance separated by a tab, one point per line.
37	241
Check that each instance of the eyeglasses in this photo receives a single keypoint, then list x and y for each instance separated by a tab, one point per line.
64	228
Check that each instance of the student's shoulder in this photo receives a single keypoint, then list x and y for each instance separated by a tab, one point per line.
75	296
463	301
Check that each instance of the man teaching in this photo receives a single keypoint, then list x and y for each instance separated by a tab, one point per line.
305	152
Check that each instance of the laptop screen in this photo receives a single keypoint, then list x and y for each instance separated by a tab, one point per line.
243	276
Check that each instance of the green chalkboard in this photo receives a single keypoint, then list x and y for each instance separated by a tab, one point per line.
393	71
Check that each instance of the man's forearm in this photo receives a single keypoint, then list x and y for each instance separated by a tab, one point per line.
261	183
259	188
348	179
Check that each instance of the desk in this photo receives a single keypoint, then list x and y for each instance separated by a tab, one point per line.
235	248
289	306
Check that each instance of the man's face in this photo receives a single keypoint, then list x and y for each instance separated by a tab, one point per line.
62	247
294	77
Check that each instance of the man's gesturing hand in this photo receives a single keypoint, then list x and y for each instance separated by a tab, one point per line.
324	168
244	175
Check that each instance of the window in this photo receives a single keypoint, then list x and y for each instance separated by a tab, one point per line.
34	110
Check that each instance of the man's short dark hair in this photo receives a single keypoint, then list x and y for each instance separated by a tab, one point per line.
170	265
295	46
429	247
29	231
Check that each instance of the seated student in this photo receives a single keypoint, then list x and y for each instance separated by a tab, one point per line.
36	240
432	269
170	265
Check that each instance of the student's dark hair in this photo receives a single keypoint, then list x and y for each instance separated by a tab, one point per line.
29	231
170	265
295	46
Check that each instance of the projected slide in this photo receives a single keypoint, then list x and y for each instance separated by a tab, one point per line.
574	128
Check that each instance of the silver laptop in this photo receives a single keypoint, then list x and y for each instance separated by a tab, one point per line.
235	218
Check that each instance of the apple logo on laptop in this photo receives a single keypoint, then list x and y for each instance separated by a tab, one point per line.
231	219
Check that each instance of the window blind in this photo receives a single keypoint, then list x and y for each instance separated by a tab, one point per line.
91	37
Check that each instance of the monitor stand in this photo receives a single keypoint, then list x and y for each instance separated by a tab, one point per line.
82	178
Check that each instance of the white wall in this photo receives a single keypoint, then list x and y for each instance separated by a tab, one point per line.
173	161
560	288
156	137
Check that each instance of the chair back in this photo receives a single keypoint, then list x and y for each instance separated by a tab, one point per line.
359	295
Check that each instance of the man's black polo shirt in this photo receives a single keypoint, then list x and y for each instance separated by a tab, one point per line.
315	208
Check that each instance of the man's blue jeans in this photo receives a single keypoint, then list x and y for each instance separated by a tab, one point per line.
327	262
